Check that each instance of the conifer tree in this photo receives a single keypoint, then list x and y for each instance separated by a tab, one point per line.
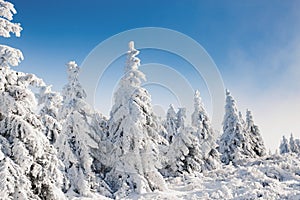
256	142
205	134
29	167
134	135
294	144
171	124
50	103
232	139
284	146
77	139
184	154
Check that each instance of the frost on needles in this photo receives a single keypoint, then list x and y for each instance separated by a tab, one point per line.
134	135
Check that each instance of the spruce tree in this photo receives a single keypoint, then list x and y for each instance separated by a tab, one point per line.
184	154
50	102
256	142
171	124
29	167
205	134
77	139
134	135
293	144
232	139
284	146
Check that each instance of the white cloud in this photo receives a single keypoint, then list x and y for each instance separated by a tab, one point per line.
268	82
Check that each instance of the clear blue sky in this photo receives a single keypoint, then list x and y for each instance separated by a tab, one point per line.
254	43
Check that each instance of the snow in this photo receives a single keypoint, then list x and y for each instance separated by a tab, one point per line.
271	177
55	146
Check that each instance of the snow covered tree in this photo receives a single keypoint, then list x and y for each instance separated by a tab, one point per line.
50	103
205	134
232	139
29	167
181	118
284	146
21	128
171	123
77	139
256	142
134	135
297	142
184	154
293	145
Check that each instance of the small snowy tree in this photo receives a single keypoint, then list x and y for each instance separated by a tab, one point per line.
171	124
284	146
181	118
134	135
184	154
77	139
232	139
257	147
205	134
293	145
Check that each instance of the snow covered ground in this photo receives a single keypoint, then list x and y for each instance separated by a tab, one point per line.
271	177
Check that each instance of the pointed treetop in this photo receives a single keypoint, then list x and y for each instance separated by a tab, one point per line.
71	65
227	92
73	70
198	101
131	45
240	115
132	62
249	118
171	112
197	94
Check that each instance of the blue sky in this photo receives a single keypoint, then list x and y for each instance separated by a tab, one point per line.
255	44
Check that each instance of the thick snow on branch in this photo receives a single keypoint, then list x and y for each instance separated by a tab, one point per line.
7	11
10	56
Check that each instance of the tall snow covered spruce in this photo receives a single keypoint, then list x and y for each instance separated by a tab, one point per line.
134	135
205	135
232	139
78	139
